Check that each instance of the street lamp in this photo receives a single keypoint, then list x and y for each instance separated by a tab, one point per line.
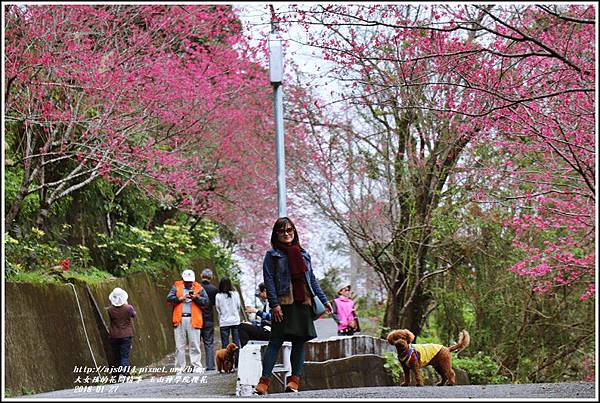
276	78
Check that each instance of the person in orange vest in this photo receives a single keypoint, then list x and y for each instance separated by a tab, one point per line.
188	299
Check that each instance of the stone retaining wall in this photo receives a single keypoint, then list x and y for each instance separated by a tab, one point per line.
344	346
352	372
45	338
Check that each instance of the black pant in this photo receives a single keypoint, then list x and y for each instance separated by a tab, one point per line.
249	331
207	333
121	348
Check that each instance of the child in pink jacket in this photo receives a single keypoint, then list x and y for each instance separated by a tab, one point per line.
344	312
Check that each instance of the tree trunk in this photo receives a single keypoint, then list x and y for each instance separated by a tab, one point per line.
15	210
390	318
42	216
413	317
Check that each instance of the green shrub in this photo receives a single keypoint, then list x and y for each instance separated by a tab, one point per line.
32	259
30	253
392	366
90	275
128	250
482	369
36	277
169	246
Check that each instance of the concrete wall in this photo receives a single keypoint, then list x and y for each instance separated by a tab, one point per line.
356	361
45	337
352	372
344	346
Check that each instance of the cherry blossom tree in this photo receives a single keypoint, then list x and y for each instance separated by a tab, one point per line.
429	86
166	98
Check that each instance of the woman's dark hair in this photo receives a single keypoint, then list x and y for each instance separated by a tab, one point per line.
281	223
262	287
225	286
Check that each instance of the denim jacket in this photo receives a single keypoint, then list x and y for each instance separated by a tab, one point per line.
275	266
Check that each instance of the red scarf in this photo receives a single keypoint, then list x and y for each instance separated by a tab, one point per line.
297	269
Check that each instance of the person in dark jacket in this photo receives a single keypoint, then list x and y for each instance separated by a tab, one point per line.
259	328
291	285
208	331
121	329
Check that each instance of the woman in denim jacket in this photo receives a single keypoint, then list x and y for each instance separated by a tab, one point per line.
291	284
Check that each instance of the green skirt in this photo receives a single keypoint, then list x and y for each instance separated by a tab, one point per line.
297	323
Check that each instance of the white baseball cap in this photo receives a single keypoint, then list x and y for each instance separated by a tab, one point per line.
188	275
118	296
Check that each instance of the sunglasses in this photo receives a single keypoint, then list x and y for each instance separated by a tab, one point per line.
288	230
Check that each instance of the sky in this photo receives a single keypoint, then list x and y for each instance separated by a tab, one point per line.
256	20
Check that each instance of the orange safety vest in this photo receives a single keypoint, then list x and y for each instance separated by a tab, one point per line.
178	308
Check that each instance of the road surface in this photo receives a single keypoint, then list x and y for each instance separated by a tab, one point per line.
222	386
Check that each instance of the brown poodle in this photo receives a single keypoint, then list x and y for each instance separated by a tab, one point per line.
413	357
225	358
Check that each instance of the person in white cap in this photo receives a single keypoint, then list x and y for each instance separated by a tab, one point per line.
188	299
121	329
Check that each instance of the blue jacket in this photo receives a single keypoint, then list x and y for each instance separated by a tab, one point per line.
264	315
275	265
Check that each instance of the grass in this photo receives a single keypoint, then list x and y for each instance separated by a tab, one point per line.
91	275
23	391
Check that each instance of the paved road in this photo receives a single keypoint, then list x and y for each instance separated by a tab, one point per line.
208	385
325	328
578	391
222	386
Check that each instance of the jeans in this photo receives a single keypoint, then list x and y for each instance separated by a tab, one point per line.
208	338
296	357
121	348
235	334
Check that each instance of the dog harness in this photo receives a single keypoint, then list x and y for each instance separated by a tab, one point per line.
407	355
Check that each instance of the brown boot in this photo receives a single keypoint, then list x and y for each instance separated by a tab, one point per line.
263	385
293	384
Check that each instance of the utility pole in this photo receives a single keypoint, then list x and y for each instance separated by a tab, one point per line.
276	78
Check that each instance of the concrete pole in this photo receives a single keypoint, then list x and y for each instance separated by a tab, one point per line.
276	77
279	145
